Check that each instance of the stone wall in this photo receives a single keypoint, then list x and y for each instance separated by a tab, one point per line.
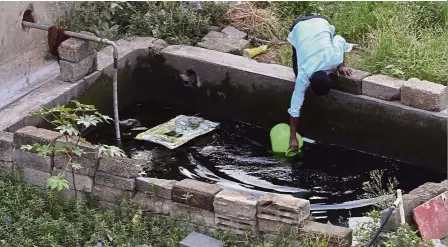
199	206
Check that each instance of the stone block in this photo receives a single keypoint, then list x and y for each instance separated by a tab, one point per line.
214	28
6	146
224	43
74	49
195	239
429	190
193	215
33	161
88	166
235	210
350	84
88	160
31	135
82	183
90	151
337	236
237	225
156	187
195	193
154	204
73	72
283	208
122	167
272	225
382	87
35	177
157	45
105	179
231	31
6	166
112	195
236	205
424	95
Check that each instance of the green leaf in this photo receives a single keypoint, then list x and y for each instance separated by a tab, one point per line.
104	117
44	150
57	183
68	129
88	120
111	151
113	5
76	166
26	147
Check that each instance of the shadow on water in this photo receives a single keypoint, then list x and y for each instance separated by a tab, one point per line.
237	156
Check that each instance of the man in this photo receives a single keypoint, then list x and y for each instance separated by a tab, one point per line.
317	53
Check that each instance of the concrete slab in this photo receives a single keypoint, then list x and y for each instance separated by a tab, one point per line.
229	30
223	42
15	88
195	239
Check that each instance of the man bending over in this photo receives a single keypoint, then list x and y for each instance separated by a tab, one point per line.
317	53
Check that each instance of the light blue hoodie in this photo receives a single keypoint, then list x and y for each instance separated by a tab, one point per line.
317	49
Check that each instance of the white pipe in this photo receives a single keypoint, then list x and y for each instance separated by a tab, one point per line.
401	206
115	75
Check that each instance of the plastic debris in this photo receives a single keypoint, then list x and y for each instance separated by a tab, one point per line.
178	131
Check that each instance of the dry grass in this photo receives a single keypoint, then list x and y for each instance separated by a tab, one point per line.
261	23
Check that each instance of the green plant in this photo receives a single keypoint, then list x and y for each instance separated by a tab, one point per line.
378	187
402	237
72	124
166	20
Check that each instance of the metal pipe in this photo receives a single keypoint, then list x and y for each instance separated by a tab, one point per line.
115	75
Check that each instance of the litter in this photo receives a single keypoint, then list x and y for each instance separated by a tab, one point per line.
178	131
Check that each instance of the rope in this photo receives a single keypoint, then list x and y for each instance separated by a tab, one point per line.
55	37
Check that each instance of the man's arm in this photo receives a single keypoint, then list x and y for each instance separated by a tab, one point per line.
297	99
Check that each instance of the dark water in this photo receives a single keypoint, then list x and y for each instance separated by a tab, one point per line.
238	156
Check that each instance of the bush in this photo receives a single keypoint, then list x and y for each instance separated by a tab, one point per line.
166	20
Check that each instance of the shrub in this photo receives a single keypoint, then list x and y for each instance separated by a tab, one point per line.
166	20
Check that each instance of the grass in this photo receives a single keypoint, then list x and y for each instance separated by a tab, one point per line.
30	216
401	39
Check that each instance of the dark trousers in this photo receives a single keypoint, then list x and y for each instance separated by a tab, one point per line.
294	53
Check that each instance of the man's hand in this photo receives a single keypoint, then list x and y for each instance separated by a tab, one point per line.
342	70
294	144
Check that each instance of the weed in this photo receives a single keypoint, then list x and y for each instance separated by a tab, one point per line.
402	237
166	20
377	187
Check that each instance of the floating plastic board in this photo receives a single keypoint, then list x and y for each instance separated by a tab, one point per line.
178	131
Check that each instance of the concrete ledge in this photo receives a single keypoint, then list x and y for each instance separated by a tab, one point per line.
260	94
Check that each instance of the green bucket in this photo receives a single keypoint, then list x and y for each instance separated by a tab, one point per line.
280	140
